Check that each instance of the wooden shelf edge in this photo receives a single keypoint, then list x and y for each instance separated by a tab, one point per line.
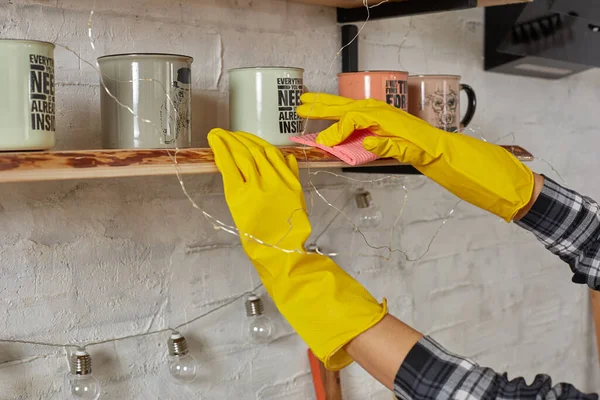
95	164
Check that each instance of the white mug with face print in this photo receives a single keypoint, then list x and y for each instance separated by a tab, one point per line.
436	99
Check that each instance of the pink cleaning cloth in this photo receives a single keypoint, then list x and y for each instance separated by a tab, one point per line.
351	151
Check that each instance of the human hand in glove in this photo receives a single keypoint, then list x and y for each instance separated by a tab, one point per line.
481	173
325	305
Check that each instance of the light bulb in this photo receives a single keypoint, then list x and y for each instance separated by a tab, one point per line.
367	213
81	384
182	365
259	327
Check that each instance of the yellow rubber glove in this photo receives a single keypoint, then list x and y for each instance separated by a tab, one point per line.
483	174
326	306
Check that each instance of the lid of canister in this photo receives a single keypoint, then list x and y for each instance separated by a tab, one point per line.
441	76
144	55
266	67
382	71
27	41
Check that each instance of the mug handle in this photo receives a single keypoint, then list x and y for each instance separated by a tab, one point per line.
472	107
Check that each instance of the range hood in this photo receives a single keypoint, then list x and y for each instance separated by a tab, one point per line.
549	39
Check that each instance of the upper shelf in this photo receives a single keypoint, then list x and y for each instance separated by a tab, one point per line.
90	164
355	11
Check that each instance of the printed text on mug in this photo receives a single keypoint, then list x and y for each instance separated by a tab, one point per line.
289	91
395	94
42	93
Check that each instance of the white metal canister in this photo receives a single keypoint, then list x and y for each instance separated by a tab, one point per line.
27	95
155	88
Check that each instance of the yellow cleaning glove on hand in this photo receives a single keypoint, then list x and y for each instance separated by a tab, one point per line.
481	173
325	305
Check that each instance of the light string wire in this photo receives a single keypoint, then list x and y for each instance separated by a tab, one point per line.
139	335
477	129
219	225
216	223
408	31
313	189
389	248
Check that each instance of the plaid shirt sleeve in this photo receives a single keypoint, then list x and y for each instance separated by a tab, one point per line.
568	224
430	372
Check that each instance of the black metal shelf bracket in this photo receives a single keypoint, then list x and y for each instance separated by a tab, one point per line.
401	9
389	170
349	48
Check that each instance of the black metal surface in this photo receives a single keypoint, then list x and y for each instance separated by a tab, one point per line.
575	43
350	51
586	9
544	33
389	170
530	40
401	9
497	23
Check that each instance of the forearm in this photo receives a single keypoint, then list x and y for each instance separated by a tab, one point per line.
418	368
382	349
431	372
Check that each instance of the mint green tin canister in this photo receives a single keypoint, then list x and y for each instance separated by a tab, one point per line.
27	95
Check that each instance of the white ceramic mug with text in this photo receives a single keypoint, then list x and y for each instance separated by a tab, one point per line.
27	95
263	101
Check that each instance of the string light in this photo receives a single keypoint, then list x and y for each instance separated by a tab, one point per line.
313	189
139	335
367	213
182	366
389	248
81	384
258	326
217	224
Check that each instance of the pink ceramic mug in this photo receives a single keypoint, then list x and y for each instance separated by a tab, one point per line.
388	86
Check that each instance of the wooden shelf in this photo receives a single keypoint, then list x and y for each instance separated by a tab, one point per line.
92	164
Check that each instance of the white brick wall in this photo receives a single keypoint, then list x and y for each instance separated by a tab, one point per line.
87	260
